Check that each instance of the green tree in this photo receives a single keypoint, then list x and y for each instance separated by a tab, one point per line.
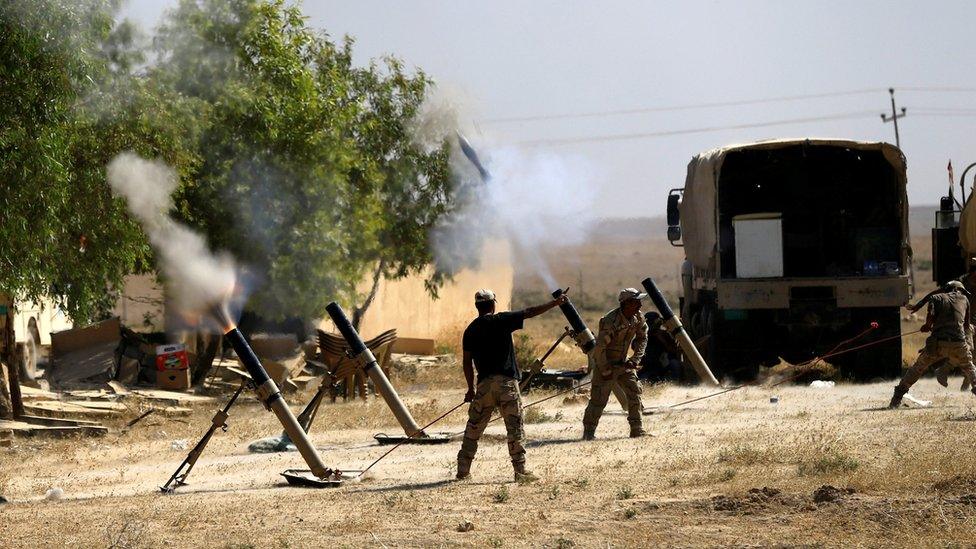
307	172
61	233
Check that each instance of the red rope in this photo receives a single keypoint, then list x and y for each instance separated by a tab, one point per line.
830	354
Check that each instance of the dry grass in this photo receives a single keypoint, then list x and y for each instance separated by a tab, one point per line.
697	482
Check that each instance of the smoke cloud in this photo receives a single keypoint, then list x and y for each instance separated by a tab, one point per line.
533	199
196	278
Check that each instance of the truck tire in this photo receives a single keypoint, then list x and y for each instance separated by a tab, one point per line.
882	361
28	351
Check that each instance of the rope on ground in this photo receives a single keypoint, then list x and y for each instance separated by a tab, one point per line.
388	452
803	365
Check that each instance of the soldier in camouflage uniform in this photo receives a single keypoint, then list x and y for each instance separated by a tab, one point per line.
488	347
621	330
968	281
947	320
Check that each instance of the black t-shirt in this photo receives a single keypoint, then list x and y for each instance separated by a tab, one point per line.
489	341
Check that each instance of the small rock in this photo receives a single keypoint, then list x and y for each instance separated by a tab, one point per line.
179	444
465	526
54	494
3	500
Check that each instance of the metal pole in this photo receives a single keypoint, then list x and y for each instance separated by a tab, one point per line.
894	116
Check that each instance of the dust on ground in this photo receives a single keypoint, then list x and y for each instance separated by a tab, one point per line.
820	467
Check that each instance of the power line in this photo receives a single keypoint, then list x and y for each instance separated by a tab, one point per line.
666	133
686	107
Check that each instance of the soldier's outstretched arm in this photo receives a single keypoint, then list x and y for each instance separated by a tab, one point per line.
537	310
922	302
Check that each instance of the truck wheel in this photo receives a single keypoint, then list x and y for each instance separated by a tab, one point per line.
27	354
881	361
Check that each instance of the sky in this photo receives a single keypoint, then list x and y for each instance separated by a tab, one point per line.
523	72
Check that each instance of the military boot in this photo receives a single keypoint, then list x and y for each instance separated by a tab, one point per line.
896	398
637	431
589	433
942	376
463	470
521	475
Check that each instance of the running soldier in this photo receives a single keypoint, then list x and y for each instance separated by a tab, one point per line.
488	347
948	321
621	330
968	281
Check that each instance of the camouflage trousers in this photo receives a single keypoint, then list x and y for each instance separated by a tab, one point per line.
947	368
500	392
604	378
957	353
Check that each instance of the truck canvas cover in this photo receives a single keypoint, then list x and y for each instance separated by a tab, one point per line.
699	215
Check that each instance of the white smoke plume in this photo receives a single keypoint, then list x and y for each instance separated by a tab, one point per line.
195	277
535	200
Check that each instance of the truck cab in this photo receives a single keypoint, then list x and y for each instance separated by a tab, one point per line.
791	247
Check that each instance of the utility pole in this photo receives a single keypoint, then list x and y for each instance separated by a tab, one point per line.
894	116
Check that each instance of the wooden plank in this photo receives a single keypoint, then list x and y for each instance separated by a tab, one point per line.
21	429
68	409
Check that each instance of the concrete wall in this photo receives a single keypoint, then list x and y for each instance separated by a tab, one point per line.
406	305
141	300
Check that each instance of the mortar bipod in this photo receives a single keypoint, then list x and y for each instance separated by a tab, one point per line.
219	421
539	363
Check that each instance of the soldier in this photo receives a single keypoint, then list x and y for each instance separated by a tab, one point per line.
488	347
620	330
948	321
661	359
968	281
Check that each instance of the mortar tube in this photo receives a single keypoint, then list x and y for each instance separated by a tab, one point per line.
677	331
372	369
583	336
271	397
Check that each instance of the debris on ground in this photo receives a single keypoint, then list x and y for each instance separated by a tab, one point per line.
271	445
465	526
822	384
917	402
830	494
84	355
180	444
54	494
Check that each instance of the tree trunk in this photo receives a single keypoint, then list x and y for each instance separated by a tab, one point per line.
6	406
359	312
206	352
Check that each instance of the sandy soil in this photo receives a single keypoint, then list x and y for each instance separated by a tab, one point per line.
736	469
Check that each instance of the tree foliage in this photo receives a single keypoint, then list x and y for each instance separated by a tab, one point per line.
61	234
308	172
290	156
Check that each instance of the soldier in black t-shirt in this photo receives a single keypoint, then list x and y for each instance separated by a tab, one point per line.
488	348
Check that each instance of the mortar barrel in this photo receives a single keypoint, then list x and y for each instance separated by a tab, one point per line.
372	369
584	337
677	331
271	397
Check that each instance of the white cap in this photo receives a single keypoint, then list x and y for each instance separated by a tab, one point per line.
484	295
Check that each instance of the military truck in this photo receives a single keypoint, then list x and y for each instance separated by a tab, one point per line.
792	246
25	327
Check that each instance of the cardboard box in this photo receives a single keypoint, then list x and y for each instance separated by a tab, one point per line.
174	380
172	357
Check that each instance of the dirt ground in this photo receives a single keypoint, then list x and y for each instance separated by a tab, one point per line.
820	467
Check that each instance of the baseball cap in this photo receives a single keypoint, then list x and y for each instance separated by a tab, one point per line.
630	293
484	295
954	285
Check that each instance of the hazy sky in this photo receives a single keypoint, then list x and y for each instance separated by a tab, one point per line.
506	59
